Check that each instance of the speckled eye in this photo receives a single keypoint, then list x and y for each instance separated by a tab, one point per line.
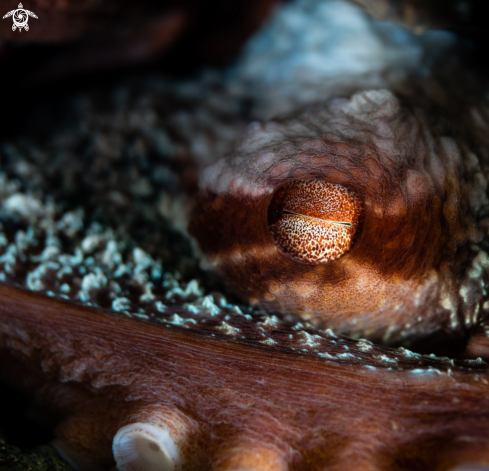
314	221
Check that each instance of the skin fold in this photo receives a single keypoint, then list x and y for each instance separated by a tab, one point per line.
246	358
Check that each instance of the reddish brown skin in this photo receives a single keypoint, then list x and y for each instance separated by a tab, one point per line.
411	248
318	414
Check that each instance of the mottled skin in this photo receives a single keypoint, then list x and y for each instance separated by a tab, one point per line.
418	263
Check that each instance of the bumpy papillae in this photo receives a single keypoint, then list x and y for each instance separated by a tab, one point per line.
316	220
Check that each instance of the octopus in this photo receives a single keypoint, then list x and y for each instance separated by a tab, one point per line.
337	317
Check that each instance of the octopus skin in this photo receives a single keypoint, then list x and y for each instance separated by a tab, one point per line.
232	404
225	389
142	369
410	269
114	35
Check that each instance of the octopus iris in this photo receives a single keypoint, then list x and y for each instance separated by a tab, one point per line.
329	312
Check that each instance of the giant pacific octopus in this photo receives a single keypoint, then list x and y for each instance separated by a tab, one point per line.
354	233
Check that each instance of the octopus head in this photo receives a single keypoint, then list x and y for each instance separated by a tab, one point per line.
353	214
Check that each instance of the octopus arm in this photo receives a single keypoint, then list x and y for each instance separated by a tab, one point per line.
102	372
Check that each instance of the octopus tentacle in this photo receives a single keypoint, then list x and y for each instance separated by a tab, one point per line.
478	344
157	437
308	423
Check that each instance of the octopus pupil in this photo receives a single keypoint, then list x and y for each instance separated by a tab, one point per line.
310	217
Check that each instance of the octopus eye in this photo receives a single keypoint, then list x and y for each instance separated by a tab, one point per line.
314	221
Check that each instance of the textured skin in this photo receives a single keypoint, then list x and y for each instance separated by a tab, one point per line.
116	335
357	405
254	390
408	272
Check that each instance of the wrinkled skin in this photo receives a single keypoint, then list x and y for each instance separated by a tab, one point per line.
415	266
